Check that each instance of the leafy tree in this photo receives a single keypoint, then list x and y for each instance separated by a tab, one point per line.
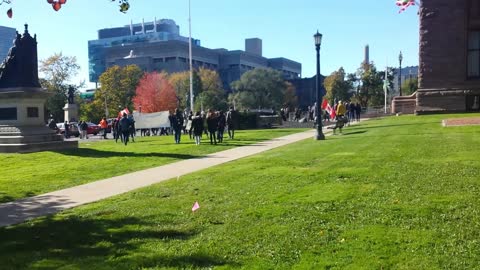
259	88
212	95
57	71
337	87
370	88
290	98
118	86
409	86
155	94
181	85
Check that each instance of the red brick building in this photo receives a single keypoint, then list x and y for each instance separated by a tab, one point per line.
449	71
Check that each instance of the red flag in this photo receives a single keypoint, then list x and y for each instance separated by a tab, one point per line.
326	106
120	114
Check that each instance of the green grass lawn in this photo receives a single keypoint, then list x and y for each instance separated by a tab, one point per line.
394	193
25	175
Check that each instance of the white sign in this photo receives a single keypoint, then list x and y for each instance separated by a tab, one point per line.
151	120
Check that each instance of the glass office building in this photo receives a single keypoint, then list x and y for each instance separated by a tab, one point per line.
7	35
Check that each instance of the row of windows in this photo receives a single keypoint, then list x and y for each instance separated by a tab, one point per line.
184	60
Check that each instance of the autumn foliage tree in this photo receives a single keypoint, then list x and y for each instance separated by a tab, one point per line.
154	93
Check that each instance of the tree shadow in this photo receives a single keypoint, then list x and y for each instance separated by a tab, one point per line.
79	241
88	152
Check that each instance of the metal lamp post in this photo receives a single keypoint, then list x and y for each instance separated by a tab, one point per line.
400	59
320	135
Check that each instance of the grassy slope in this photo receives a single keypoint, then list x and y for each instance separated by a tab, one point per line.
25	175
399	193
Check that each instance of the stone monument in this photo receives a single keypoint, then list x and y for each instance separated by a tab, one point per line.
71	109
22	102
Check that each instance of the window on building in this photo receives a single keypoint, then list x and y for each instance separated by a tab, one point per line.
157	60
182	59
170	59
473	68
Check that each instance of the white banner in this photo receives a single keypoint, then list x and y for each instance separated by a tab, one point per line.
151	120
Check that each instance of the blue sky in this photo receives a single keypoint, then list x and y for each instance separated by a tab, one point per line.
286	27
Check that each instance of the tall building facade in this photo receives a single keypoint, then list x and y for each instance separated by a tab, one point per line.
449	72
7	35
158	46
408	73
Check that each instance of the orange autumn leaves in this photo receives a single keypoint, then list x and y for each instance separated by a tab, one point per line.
154	93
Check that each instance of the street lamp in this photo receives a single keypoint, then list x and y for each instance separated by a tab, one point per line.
190	53
318	42
400	59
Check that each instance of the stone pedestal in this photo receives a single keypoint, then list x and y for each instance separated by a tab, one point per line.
22	126
71	112
404	104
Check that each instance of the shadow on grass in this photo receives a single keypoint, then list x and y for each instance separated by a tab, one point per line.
78	242
88	152
7	198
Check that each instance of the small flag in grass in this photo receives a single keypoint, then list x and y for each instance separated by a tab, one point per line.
195	207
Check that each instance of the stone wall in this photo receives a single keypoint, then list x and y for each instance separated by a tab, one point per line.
404	104
443	83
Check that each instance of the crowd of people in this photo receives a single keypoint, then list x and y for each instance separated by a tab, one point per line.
352	111
212	124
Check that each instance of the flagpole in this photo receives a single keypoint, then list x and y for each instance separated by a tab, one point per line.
385	86
190	53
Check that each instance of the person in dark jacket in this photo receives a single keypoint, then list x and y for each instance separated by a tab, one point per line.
212	124
231	118
176	122
124	128
221	126
197	127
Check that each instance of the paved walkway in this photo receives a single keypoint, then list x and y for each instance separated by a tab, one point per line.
53	202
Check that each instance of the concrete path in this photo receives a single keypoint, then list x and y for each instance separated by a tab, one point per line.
53	202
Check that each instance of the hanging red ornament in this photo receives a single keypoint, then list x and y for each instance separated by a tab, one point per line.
50	1
10	13
62	1
57	6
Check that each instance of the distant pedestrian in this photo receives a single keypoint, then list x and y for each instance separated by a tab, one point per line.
221	123
212	123
124	127
132	130
231	121
104	125
188	127
176	123
84	130
197	128
66	130
358	110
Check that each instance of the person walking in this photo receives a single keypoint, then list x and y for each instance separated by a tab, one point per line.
132	129
197	127
84	130
358	110
124	127
104	125
221	126
67	130
188	127
212	126
176	122
231	119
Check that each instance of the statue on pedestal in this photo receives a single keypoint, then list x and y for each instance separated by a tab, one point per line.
71	92
20	68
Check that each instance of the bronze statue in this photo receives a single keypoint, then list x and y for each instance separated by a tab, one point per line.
20	68
71	92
